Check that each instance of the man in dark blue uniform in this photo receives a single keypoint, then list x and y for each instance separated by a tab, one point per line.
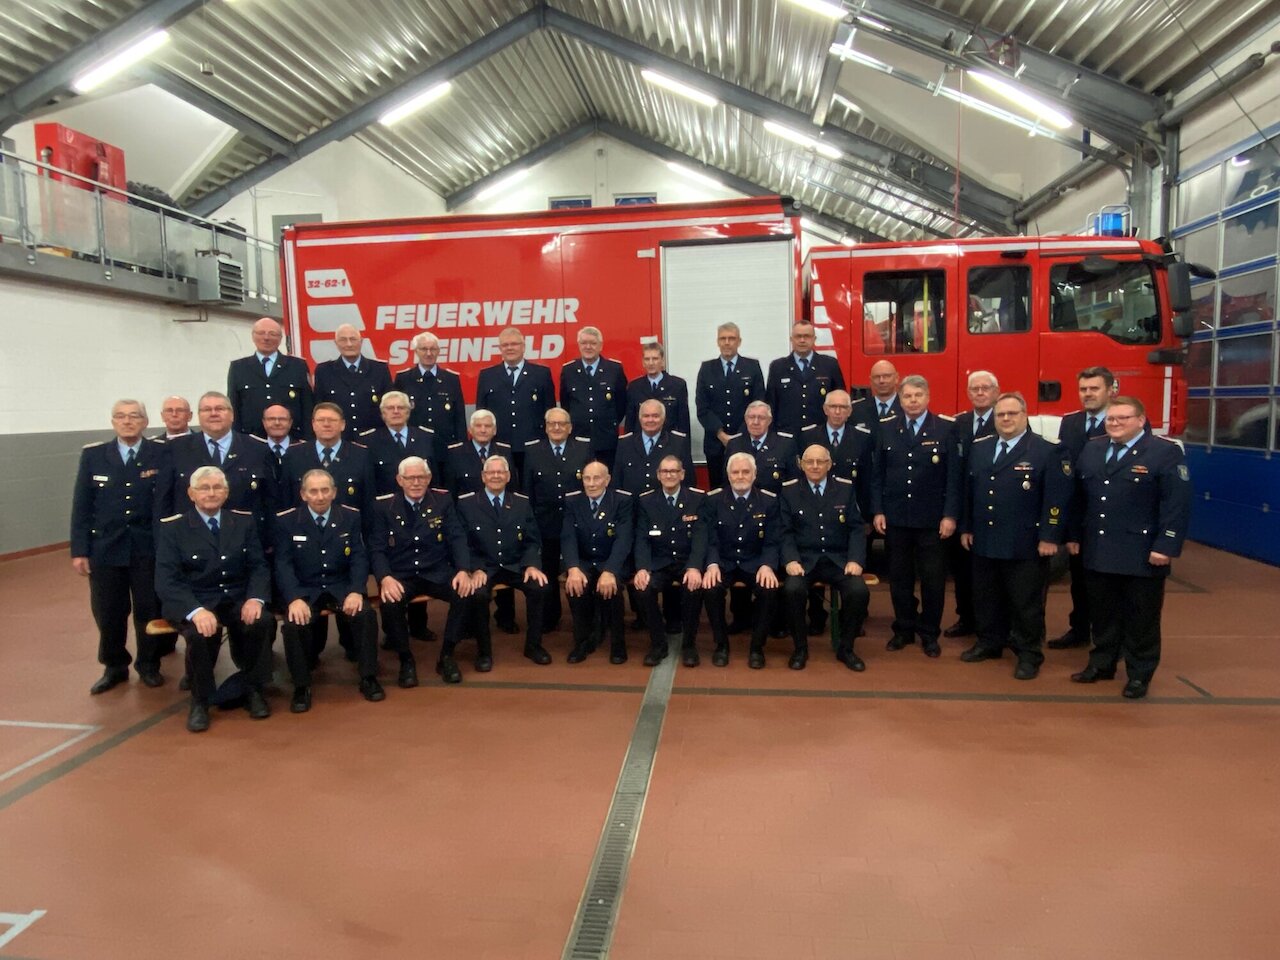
594	391
267	377
596	539
355	383
670	552
1017	490
639	452
915	501
743	534
656	384
800	381
823	540
321	565
346	461
112	542
1137	503
464	460
774	451
502	533
725	386
396	439
518	393
553	469
883	401
970	425
418	547
211	573
436	392
176	414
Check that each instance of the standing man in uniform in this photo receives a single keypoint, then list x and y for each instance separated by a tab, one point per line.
211	573
596	539
594	391
553	469
656	384
915	498
774	451
971	425
724	388
268	376
396	439
670	551
276	425
823	540
355	383
800	382
321	564
176	414
743	533
1137	503
464	460
346	461
519	394
436	392
883	401
639	452
112	543
1017	490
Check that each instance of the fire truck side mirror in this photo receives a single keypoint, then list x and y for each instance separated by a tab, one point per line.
1179	287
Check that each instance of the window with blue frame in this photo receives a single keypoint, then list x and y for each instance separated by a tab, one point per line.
1229	220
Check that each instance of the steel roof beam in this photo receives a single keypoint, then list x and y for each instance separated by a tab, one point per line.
57	76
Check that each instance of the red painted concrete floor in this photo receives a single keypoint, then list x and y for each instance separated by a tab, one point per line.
923	809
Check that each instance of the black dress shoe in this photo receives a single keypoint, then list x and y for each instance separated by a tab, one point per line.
1092	674
798	660
959	629
898	641
447	667
755	660
151	678
257	705
618	656
654	657
408	673
690	658
1135	689
931	648
507	626
720	657
184	683
484	663
1026	671
976	654
372	690
851	660
198	718
538	655
1067	641
300	702
577	654
109	679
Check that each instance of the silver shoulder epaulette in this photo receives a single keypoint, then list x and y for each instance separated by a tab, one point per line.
454	446
170	519
843	480
285	513
768	493
788	483
365	433
384	496
469	493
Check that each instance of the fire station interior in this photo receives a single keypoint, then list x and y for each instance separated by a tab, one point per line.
1026	188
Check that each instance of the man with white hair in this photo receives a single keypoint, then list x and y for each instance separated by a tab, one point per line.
268	377
464	460
436	392
594	391
354	382
175	411
396	438
973	424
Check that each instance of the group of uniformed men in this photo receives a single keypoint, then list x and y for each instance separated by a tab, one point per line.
217	527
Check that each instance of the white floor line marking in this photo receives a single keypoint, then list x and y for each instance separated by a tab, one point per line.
41	725
85	731
17	923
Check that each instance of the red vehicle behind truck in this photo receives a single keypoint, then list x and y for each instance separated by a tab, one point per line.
1032	310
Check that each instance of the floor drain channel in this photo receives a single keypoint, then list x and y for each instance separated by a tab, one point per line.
592	932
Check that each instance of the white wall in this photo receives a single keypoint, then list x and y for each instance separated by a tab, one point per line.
97	349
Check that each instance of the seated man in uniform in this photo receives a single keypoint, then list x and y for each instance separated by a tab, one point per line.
321	564
596	540
211	573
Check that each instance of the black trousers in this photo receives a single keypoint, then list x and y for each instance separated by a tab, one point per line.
764	600
855	600
395	616
535	599
594	616
661	584
253	643
300	645
715	469
1128	622
114	592
917	554
1009	598
552	610
961	563
1079	619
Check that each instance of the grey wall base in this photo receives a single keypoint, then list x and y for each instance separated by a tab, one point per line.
37	473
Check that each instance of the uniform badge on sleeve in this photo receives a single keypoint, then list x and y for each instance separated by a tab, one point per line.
1066	468
1182	472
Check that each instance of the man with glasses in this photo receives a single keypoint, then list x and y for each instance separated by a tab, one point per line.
396	439
657	384
639	452
112	542
346	461
355	382
176	414
800	381
973	424
596	539
519	394
464	460
594	391
774	451
211	573
1136	503
435	392
724	388
266	377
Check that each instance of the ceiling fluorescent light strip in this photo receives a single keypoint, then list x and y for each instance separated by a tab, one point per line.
1017	95
835	11
414	104
118	62
683	89
795	136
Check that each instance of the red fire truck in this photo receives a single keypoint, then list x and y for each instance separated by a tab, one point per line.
1032	310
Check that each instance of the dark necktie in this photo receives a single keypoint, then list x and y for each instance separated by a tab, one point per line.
978	424
214	452
728	369
757	444
648	445
497	505
213	525
803	365
915	428
1093	425
1113	453
1001	453
511	372
279	452
817	490
559	451
484	454
884	409
654	385
595	505
128	461
671	500
591	371
835	438
266	366
400	439
741	501
352	367
327	458
320	522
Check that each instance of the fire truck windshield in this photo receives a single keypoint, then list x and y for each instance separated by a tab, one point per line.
1120	303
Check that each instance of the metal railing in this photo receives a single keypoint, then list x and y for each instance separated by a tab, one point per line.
51	210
